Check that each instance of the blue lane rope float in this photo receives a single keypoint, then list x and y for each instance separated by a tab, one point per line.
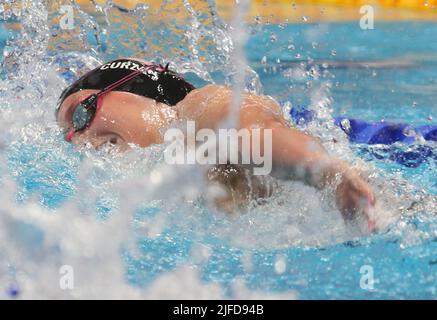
382	133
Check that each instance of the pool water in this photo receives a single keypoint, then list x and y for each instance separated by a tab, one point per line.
131	227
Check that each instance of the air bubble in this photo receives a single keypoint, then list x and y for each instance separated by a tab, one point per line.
264	60
312	72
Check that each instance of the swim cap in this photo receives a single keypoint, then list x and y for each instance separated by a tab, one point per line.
156	82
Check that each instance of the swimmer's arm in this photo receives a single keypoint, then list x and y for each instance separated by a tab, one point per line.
298	155
294	153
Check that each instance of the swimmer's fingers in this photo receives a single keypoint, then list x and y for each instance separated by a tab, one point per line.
355	199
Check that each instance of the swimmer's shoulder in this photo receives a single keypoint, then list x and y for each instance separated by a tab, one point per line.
257	102
205	105
210	104
209	91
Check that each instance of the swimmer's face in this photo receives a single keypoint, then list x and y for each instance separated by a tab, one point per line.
123	119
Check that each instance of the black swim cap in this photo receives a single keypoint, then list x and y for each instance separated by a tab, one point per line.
157	82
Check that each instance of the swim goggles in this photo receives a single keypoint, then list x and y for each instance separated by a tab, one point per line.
87	108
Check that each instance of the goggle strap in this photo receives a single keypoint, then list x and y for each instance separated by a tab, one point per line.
124	80
99	103
70	134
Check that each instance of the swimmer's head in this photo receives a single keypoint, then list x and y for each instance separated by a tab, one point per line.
126	89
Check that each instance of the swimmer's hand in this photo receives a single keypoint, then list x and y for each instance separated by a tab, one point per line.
355	197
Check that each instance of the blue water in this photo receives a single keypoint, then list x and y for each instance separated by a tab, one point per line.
389	93
406	94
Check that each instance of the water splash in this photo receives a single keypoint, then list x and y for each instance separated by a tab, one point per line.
131	218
